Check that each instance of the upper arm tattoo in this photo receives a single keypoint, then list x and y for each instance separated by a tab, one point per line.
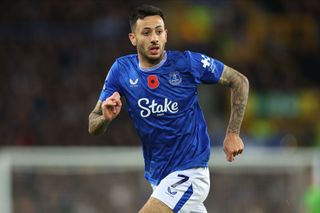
239	85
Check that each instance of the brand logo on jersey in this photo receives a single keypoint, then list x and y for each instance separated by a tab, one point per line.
153	82
152	107
175	78
208	63
133	83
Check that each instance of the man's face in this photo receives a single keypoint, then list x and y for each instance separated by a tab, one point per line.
149	36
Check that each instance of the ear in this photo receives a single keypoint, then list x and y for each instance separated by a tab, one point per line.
133	39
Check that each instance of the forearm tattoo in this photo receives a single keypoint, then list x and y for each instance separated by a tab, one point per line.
97	123
239	85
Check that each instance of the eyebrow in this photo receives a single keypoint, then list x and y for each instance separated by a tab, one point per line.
147	28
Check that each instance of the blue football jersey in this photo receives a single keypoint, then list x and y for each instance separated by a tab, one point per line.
163	105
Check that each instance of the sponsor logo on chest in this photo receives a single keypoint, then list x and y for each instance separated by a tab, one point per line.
149	107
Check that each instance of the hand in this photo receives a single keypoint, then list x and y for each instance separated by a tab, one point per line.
232	146
111	107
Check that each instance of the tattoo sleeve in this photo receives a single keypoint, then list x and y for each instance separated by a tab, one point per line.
97	123
239	85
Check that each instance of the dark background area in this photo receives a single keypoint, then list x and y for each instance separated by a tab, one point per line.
54	56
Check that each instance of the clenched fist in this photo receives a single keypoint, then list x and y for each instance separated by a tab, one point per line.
111	106
232	146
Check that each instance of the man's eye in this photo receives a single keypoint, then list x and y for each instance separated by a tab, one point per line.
145	33
159	32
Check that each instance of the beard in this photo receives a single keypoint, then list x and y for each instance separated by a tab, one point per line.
150	60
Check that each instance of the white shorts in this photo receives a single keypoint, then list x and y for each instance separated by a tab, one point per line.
184	191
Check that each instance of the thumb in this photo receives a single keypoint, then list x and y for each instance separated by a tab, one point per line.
115	95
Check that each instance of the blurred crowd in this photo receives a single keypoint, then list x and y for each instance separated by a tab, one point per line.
55	55
53	191
100	191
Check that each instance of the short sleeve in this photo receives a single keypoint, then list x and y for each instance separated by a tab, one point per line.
204	68
111	84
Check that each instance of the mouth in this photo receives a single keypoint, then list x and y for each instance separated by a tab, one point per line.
154	50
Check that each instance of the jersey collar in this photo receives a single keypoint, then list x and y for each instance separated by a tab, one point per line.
148	69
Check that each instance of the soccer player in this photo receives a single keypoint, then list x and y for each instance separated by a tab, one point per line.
160	88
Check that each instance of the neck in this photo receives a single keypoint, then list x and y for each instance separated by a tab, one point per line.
147	63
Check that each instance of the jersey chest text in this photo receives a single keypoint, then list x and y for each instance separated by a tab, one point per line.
158	95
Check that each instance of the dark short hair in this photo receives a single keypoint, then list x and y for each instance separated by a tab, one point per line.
142	11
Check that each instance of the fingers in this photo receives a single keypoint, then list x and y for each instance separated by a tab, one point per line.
113	100
237	152
112	104
232	154
118	102
232	149
230	157
115	96
108	104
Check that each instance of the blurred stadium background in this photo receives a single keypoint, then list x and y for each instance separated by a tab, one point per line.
54	56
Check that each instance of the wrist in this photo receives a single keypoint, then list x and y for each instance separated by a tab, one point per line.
104	120
233	132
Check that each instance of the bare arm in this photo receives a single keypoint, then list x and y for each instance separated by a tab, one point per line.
239	84
97	122
103	113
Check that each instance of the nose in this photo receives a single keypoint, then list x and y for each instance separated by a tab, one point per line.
154	37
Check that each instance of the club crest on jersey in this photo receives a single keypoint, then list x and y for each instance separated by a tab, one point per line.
153	81
175	78
133	83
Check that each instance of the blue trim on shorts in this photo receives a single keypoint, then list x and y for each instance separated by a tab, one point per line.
185	197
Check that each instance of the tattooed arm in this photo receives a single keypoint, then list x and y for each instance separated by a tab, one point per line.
239	85
97	122
103	113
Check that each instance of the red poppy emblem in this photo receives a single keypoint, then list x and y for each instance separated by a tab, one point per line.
153	81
